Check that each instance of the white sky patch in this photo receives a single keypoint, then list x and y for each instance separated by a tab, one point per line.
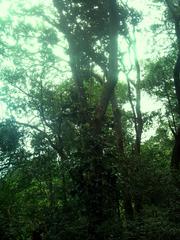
2	106
149	46
4	8
149	103
152	14
144	41
2	110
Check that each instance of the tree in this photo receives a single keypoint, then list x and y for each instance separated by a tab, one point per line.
80	23
71	163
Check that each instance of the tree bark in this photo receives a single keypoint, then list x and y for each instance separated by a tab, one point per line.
138	121
122	159
97	218
175	160
99	206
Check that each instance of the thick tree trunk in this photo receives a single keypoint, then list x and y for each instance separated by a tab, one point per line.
36	235
122	159
103	206
100	205
175	160
79	80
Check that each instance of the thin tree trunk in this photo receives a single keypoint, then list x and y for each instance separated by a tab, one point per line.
138	124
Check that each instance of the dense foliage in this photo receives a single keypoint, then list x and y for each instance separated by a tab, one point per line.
80	158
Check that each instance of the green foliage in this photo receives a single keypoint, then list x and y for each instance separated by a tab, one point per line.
9	136
58	176
159	76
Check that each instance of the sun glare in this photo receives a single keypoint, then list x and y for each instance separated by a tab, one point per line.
4	8
144	38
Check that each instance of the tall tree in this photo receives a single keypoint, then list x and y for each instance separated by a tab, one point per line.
92	28
173	8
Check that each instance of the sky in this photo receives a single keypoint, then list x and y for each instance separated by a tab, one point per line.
145	49
145	42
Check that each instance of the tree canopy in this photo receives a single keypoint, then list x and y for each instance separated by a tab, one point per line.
90	134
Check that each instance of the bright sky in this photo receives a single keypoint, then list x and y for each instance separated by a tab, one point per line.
151	15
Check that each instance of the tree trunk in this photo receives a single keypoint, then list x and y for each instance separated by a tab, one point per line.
122	160
100	205
138	123
175	160
104	206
